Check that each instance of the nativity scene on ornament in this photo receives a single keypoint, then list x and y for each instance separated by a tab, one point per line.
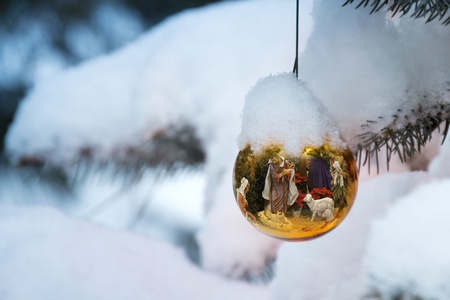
296	193
320	182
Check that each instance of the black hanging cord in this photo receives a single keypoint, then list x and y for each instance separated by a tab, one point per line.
296	46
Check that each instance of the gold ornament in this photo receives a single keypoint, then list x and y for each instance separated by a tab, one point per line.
295	197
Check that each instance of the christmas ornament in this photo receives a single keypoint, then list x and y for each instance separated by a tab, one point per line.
294	177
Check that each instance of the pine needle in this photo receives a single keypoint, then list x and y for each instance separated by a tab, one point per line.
429	9
404	139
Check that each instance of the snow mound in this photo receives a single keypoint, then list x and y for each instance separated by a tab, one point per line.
281	110
46	255
196	67
355	66
229	244
331	267
193	69
439	165
368	67
408	251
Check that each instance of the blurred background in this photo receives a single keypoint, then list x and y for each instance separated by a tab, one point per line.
118	135
38	39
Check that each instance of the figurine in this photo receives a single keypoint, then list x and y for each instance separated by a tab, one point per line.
242	200
280	190
323	207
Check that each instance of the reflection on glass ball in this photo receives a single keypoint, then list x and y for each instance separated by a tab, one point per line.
295	197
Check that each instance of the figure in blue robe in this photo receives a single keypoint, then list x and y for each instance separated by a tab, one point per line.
319	175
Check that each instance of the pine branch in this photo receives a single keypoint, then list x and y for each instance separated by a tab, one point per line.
406	135
430	9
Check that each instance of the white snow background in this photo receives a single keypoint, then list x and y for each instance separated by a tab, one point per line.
196	69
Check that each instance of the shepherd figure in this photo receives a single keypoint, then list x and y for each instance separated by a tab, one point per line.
280	190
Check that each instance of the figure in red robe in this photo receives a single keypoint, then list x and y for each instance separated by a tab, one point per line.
280	190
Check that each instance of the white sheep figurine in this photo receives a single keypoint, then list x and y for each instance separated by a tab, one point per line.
323	207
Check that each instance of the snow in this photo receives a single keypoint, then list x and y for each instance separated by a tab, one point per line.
281	110
28	40
355	66
318	269
439	165
187	70
230	246
408	252
195	69
423	43
43	253
352	60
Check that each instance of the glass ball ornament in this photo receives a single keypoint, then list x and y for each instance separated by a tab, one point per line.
295	197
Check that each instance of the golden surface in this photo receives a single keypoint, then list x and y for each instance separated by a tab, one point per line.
295	224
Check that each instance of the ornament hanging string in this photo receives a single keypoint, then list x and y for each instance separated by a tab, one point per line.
296	45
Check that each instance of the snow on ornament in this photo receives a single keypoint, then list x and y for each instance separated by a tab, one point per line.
294	177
